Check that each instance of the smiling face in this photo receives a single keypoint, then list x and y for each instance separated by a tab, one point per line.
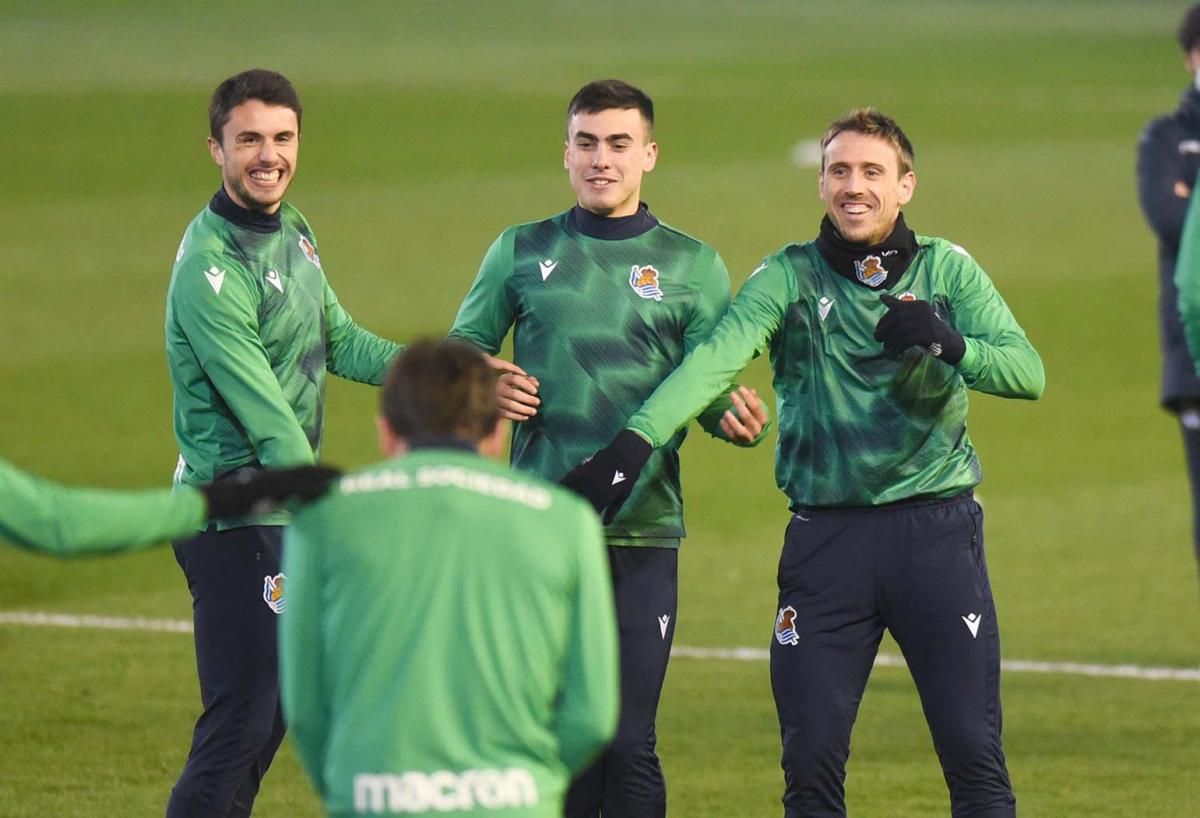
863	187
257	154
606	154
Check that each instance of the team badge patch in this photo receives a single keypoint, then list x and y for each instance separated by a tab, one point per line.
309	251
273	592
785	626
870	271
644	281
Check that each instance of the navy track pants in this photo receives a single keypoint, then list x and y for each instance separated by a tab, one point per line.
237	592
626	781
917	569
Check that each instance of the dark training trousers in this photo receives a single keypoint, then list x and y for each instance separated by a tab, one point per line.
626	781
917	569
231	574
1189	425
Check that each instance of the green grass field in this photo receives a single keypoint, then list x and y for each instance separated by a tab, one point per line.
430	126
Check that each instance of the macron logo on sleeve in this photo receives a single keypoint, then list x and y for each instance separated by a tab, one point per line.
216	278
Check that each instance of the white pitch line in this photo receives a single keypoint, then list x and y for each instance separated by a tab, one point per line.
743	654
111	623
1153	674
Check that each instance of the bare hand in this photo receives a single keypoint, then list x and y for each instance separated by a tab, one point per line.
501	366
744	427
1182	190
517	396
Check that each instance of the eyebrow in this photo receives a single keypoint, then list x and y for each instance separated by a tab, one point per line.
616	137
845	164
275	135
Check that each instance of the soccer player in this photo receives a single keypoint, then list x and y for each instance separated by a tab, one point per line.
875	335
251	326
63	521
449	645
606	301
1168	159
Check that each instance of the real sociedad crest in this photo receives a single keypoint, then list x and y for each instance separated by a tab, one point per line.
273	588
309	251
870	271
785	626
644	281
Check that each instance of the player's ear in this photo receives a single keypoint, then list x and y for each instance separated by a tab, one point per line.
215	151
651	158
390	444
908	186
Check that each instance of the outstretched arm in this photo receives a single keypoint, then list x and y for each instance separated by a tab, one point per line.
754	317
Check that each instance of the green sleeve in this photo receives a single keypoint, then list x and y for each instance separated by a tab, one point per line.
999	359
301	653
352	352
1187	278
755	315
712	287
221	326
487	312
586	718
61	521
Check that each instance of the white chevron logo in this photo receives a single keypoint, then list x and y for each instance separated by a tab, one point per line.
216	278
824	306
663	621
547	267
274	280
972	621
618	477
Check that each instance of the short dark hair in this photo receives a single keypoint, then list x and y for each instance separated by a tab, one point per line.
870	122
440	389
1189	29
266	86
605	95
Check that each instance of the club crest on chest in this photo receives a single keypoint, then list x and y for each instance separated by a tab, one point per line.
644	280
870	270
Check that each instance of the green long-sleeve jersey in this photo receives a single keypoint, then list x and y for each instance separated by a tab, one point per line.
856	426
449	642
62	521
600	321
1187	278
251	327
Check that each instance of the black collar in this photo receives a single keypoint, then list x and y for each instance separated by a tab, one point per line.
875	266
252	220
613	229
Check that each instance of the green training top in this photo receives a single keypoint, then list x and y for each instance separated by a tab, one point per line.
857	427
1187	278
449	642
54	519
600	322
251	327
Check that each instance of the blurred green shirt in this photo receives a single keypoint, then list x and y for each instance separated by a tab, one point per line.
856	426
600	322
61	521
251	327
449	642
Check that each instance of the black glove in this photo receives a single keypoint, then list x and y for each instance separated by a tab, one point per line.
257	492
916	324
606	478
